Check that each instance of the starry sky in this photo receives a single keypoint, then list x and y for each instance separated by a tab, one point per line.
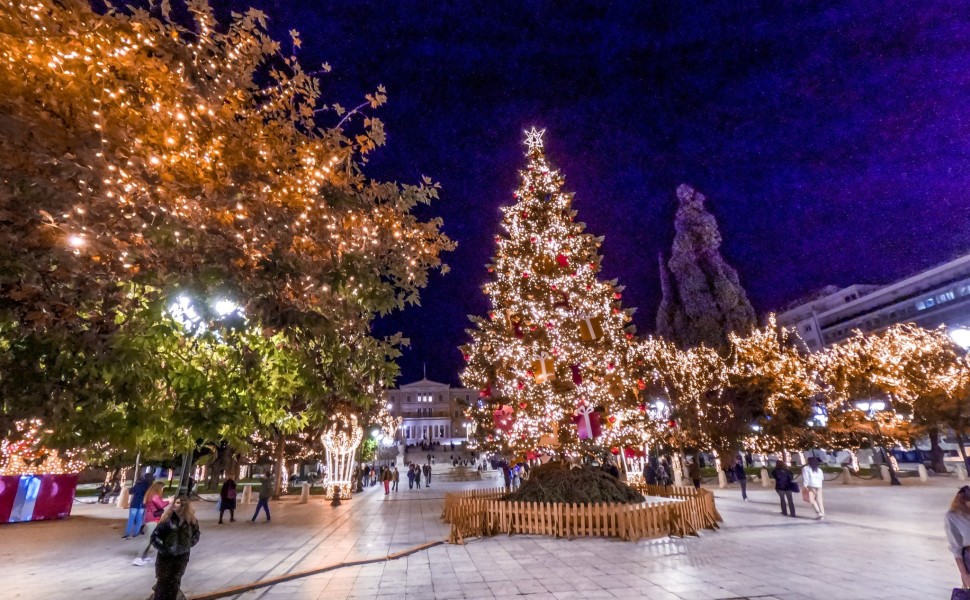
832	142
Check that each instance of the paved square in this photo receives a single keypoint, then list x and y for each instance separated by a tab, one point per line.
876	543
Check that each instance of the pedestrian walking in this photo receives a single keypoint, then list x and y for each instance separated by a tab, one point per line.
410	477
812	478
136	506
663	473
649	473
417	476
784	486
386	478
227	500
396	479
177	532
366	475
957	525
742	477
695	471
154	510
265	493
507	475
427	475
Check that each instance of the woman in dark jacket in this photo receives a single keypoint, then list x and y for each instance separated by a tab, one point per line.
227	500
784	480
176	534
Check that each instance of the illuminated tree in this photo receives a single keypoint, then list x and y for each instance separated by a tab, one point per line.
773	386
551	359
186	155
946	404
134	148
692	381
703	300
890	380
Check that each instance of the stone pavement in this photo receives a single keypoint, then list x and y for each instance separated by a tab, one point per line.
877	542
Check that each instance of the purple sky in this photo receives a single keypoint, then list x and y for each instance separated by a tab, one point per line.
833	144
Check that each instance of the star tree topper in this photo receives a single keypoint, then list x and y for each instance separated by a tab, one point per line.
533	139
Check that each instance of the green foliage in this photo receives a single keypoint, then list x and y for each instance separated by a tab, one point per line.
368	449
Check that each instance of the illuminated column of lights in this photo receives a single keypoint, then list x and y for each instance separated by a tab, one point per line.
341	445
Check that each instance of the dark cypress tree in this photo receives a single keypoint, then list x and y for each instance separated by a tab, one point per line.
702	297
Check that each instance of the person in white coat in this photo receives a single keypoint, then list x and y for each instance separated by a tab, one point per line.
812	477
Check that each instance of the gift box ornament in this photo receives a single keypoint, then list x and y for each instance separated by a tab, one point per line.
550	438
544	369
577	375
591	328
587	420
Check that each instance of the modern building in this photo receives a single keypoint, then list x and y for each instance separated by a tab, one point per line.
431	411
937	296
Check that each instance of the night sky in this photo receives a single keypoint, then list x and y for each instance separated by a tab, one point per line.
833	144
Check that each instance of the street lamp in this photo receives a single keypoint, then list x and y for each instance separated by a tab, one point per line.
871	407
184	312
960	337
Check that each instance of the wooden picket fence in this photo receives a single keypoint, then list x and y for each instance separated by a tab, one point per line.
478	513
699	511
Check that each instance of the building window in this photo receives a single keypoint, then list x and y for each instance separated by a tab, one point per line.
808	328
408	399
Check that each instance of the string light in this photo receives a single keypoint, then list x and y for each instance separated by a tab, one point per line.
26	457
340	442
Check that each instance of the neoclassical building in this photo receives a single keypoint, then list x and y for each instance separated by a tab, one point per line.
430	410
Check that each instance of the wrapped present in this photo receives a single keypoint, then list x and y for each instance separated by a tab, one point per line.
551	438
577	376
591	328
503	417
587	420
544	369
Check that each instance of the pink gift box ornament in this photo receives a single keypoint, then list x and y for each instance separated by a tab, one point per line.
587	420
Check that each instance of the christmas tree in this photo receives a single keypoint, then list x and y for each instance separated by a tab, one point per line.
551	360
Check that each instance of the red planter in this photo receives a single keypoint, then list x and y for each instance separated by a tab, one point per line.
36	497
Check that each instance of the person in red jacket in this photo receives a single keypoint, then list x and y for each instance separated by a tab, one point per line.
154	509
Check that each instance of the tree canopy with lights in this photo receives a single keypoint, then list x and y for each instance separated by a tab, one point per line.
551	359
167	155
139	149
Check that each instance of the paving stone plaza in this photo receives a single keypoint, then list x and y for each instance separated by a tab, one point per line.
877	542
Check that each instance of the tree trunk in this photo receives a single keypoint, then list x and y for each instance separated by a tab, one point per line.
222	464
963	453
280	465
936	452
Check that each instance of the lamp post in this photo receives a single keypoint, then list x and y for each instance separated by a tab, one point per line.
183	311
871	407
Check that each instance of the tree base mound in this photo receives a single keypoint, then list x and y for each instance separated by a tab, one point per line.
557	482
